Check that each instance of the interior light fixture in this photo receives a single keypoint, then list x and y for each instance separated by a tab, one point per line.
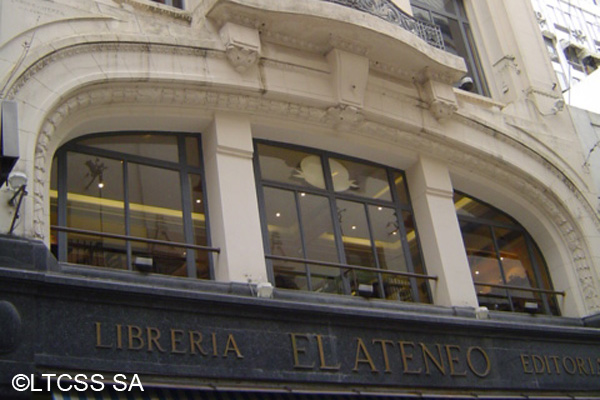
100	185
278	215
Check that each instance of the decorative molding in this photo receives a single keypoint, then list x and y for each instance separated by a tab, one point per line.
345	116
421	140
241	57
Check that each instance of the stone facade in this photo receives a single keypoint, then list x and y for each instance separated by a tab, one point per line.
321	75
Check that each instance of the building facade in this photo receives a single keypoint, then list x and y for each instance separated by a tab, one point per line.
273	198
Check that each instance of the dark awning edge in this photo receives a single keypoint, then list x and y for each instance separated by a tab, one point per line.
110	393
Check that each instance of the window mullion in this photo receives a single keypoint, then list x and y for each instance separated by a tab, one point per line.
374	250
186	208
302	241
62	188
536	273
502	274
337	229
127	214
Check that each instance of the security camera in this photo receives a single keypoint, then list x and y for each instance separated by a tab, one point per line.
466	83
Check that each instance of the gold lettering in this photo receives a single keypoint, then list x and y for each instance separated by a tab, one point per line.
581	365
439	363
299	350
573	365
175	341
99	344
538	364
323	365
119	337
360	347
488	364
137	336
214	343
196	342
407	357
453	360
598	365
547	365
526	367
153	334
231	345
386	359
556	364
591	366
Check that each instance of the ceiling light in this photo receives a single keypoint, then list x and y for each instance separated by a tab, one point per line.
278	215
100	185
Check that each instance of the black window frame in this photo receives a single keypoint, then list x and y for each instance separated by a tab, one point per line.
475	69
538	270
181	167
332	196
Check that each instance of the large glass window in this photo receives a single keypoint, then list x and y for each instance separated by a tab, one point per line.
507	268
335	225
451	17
131	201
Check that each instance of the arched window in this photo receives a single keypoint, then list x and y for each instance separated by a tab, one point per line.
508	269
337	225
130	201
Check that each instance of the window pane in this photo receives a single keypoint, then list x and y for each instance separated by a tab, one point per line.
198	215
290	166
326	279
359	179
282	223
155	209
199	225
484	265
96	251
401	191
160	147
290	275
355	234
155	213
470	207
386	235
440	5
192	151
318	228
95	193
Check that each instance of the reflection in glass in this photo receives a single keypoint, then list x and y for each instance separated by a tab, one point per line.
290	166
359	179
500	254
155	213
355	234
318	228
282	223
95	193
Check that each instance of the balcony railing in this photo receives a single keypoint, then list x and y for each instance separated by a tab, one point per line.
430	33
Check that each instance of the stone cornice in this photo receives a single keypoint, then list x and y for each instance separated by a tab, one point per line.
423	141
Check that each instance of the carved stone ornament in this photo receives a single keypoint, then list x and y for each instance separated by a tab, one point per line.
419	140
442	109
242	58
345	116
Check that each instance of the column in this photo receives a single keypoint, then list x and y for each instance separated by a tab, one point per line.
232	201
439	232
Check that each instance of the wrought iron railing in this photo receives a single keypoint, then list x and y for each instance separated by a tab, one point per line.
384	9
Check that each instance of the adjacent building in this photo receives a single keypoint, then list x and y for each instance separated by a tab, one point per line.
294	199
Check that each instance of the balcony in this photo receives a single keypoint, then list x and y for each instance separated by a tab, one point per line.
389	12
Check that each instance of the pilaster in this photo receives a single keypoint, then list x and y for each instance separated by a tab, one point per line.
439	232
233	204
